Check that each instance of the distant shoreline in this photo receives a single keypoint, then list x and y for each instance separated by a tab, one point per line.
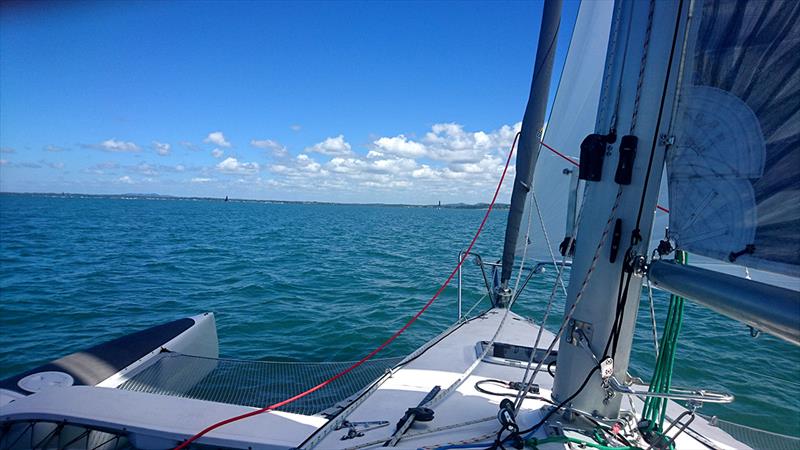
154	196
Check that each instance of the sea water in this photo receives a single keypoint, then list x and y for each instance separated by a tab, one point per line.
310	282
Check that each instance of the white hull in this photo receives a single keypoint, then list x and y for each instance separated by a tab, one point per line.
160	421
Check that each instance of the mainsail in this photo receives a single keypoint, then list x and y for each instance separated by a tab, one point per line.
733	184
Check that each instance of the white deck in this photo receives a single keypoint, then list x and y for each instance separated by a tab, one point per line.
156	421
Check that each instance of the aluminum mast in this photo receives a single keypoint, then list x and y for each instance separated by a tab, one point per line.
528	147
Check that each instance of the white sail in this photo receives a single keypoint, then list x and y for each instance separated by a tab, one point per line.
660	226
733	169
572	118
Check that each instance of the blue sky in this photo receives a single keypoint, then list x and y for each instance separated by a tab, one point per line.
329	101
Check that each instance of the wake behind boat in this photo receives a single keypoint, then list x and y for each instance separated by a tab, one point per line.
645	85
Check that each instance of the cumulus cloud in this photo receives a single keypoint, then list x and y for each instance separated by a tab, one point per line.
274	147
113	145
232	165
125	179
400	146
451	143
217	138
332	146
217	153
161	148
424	167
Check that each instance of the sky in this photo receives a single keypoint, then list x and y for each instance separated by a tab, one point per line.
390	102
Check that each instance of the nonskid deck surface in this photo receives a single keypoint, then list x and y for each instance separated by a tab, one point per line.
160	421
469	415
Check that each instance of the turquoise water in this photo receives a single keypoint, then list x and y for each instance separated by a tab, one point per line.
306	282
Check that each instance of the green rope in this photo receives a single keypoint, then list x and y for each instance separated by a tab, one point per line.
534	443
655	409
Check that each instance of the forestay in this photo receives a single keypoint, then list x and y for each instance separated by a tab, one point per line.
733	182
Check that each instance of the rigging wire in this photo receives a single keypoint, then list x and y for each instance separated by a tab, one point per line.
547	238
385	343
578	297
525	249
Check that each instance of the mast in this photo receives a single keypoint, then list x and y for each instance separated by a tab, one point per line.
528	147
603	298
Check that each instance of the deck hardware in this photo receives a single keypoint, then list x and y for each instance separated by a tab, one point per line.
616	236
578	328
506	416
357	429
418	413
681	394
607	368
661	441
627	154
636	264
593	151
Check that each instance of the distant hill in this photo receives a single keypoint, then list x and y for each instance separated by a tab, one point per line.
157	196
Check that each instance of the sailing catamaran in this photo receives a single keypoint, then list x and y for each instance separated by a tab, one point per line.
708	88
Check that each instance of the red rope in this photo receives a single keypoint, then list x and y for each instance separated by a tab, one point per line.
567	158
560	154
385	343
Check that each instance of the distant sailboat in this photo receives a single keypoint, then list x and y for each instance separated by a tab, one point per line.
226	198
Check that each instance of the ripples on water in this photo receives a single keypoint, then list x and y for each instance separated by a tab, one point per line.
307	282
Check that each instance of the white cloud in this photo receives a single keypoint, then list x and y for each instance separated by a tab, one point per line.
146	169
275	147
217	153
198	180
232	165
295	127
189	146
400	145
161	148
125	179
53	148
332	146
113	145
180	168
217	138
449	162
451	143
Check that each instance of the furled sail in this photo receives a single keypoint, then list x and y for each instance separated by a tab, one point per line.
572	117
734	185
